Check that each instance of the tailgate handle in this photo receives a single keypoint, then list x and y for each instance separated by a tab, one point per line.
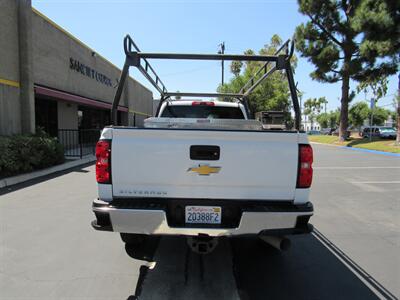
204	152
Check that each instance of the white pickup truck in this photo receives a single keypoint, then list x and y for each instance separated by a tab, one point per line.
202	169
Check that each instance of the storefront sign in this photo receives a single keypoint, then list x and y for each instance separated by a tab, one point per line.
89	72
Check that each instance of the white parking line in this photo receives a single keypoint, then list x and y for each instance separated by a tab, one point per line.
368	187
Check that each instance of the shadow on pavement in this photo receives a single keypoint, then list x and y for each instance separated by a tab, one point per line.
16	187
144	251
180	274
306	271
247	268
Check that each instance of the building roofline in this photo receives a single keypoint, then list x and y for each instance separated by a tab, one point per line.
70	35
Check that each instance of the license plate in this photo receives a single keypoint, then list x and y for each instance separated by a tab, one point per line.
203	214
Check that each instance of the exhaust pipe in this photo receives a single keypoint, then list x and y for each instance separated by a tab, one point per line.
281	243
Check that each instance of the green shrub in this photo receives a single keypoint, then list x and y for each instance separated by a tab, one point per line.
26	153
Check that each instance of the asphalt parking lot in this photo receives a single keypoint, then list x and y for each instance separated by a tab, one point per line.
48	249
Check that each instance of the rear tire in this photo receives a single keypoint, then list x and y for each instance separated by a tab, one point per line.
133	238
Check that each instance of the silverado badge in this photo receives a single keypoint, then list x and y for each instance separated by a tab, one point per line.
204	170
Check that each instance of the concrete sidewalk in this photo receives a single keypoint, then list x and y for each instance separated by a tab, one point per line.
5	182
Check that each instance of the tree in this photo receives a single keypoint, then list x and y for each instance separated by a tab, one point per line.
329	120
273	93
349	40
379	116
323	120
323	102
378	86
313	107
335	118
358	113
236	67
393	116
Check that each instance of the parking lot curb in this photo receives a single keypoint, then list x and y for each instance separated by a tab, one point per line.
5	182
360	149
371	151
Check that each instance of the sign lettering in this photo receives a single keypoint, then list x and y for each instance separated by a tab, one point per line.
88	71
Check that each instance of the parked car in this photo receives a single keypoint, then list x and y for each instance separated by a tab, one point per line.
379	131
387	133
327	131
336	132
370	131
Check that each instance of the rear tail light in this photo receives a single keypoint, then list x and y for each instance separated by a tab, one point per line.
103	161
305	173
203	103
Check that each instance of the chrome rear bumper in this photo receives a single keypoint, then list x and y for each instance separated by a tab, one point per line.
155	222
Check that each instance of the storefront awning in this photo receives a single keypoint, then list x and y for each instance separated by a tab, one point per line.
49	92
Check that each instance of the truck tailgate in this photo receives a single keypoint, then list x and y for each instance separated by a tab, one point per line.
256	165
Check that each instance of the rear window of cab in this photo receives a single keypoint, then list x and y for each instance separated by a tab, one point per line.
202	112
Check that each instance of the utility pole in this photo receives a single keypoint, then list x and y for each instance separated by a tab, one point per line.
222	51
371	122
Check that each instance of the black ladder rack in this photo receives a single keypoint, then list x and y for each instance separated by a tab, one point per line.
138	59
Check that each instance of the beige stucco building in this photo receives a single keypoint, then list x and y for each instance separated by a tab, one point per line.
50	79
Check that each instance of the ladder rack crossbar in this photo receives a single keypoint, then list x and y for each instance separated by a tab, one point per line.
185	94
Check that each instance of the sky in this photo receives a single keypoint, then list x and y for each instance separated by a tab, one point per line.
192	26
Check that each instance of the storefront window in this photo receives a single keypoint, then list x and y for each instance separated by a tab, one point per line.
46	115
92	118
